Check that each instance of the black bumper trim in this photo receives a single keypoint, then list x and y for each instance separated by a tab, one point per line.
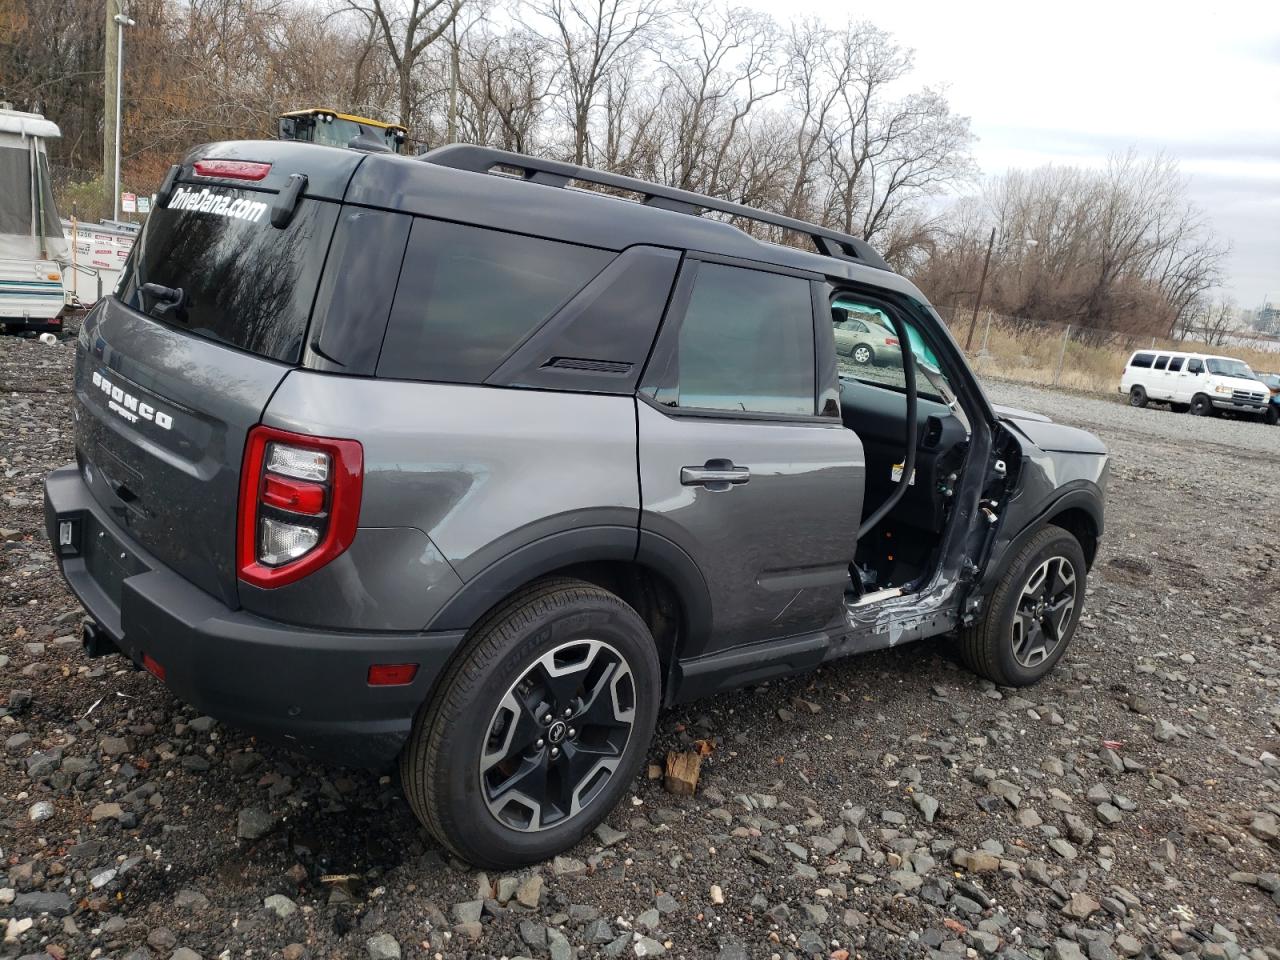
295	685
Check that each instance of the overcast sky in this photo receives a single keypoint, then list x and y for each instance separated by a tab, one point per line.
1070	83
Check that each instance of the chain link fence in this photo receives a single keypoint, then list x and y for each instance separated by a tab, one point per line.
83	194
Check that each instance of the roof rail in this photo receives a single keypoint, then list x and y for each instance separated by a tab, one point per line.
554	173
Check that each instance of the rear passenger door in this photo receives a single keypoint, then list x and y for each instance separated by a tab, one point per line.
1159	378
737	466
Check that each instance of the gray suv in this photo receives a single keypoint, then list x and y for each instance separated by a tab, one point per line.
473	462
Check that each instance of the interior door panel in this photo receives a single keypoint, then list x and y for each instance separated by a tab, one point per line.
877	415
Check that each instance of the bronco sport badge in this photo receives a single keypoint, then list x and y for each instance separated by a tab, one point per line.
130	407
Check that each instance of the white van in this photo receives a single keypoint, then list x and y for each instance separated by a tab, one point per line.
1196	382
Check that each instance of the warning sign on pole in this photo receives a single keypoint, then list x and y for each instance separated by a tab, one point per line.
129	202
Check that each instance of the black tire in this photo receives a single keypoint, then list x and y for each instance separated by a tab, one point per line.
1137	396
863	355
440	767
1272	416
989	647
1201	406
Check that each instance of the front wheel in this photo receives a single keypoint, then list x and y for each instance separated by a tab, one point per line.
1137	396
1201	406
1032	614
1272	415
538	727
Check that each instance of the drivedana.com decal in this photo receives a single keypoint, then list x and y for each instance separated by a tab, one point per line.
219	204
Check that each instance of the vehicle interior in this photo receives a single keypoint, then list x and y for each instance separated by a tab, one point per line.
903	525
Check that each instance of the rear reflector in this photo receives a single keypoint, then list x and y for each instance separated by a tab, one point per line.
392	674
232	169
153	666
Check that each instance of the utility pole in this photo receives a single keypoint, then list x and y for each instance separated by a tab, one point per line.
982	285
451	132
121	21
109	119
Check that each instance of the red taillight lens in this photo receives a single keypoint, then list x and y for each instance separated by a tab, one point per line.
232	169
299	504
392	674
890	341
299	496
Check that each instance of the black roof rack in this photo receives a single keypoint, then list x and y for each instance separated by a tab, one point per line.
554	173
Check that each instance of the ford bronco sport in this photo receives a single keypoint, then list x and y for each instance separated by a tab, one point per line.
469	463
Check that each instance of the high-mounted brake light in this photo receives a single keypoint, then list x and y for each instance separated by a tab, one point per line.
299	504
232	169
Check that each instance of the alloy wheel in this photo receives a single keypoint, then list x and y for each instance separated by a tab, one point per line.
558	735
1044	610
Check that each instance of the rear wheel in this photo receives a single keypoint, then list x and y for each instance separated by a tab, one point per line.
1033	612
1137	396
863	354
537	729
1201	406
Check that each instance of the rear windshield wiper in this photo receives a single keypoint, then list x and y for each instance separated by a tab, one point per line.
164	299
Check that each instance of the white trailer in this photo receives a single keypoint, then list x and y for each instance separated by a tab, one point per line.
32	244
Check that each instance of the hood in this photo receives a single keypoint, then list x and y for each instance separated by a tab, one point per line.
1050	436
1013	413
1242	383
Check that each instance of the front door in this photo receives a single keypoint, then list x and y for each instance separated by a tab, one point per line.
736	465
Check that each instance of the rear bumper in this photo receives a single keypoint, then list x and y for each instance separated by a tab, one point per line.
300	686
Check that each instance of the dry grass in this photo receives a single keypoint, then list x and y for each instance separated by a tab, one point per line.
1093	364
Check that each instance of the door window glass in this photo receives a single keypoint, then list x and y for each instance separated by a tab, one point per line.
1161	362
1175	364
745	344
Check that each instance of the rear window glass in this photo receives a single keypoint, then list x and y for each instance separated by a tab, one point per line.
244	282
1141	360
467	297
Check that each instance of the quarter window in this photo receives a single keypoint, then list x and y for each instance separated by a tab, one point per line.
468	296
745	344
1141	360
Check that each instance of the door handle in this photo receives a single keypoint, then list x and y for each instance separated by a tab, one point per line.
714	475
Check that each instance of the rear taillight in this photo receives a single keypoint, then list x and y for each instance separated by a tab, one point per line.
299	504
891	341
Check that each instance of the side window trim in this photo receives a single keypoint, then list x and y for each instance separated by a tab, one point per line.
661	373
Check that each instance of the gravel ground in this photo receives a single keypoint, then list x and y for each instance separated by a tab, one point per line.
888	806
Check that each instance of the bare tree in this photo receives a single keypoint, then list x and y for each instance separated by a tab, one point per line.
717	72
408	29
590	38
